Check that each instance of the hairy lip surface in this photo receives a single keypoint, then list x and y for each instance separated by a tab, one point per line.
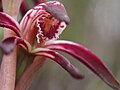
49	28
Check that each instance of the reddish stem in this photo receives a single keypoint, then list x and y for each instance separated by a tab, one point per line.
8	65
7	73
29	75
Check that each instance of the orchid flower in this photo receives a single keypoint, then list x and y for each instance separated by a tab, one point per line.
37	34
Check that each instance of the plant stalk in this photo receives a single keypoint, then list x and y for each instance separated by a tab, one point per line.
25	81
8	65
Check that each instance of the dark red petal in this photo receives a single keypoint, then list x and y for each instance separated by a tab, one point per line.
62	61
39	1
8	22
88	58
8	44
1	8
24	7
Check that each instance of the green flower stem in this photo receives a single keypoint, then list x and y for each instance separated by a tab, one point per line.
23	61
22	67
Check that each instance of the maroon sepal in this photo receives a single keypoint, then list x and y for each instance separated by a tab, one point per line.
87	58
8	22
62	61
7	45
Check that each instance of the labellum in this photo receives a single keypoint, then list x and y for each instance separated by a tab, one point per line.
44	23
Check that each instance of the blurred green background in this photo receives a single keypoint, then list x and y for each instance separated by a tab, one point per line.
96	25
